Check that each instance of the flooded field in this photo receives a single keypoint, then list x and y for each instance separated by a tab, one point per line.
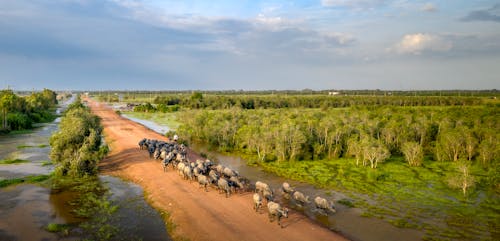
27	209
347	221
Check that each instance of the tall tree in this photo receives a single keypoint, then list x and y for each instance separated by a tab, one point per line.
413	153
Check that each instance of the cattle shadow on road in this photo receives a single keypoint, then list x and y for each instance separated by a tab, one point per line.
123	159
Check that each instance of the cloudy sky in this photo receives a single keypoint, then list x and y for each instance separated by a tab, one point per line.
249	44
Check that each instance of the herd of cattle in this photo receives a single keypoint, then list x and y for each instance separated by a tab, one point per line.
226	180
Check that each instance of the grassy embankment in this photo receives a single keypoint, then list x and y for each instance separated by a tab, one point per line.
31	146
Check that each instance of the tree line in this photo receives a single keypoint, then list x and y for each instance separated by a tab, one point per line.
367	135
197	100
137	94
20	112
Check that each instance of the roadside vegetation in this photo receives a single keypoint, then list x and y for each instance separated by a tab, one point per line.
12	161
76	152
20	112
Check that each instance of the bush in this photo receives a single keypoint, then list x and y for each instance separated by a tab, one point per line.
76	147
18	121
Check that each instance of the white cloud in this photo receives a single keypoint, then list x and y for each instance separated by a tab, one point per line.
272	22
421	42
429	7
351	3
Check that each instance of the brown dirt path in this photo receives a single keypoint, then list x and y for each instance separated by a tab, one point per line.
197	215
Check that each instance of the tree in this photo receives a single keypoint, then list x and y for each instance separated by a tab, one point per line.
295	140
413	153
464	179
375	152
450	145
489	148
355	149
470	143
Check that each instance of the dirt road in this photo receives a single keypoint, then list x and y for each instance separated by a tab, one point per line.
197	215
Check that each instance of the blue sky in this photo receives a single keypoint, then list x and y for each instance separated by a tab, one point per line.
250	44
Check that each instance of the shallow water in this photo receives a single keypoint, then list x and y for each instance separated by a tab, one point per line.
149	124
135	218
346	221
26	210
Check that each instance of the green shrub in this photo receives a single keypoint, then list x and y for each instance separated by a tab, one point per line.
18	121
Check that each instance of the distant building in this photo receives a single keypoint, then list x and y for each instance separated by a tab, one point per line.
333	93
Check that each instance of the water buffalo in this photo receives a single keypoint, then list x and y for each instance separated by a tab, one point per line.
300	198
151	150
213	176
203	181
188	172
275	209
286	188
166	161
261	186
323	204
257	201
268	195
236	183
228	172
223	186
142	144
220	169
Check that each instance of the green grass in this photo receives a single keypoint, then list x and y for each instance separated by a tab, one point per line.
56	227
30	146
47	163
346	202
408	197
167	119
18	132
27	179
14	161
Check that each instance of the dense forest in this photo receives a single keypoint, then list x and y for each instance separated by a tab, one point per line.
369	135
20	112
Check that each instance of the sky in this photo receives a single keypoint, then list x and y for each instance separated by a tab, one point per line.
249	44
